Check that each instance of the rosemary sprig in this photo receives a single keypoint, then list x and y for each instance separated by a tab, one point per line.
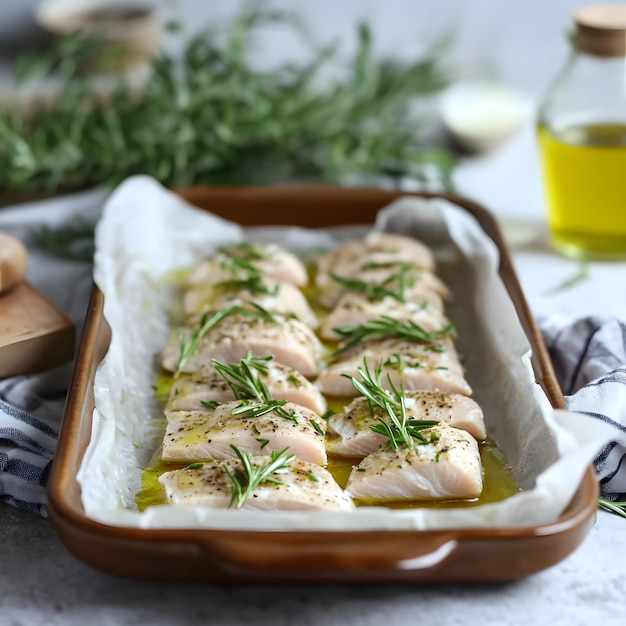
401	432
582	274
249	388
241	379
618	508
73	241
256	409
189	346
248	477
252	283
398	429
400	362
372	291
388	328
393	287
245	251
369	387
239	266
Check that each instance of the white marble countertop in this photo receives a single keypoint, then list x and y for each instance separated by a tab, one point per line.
42	583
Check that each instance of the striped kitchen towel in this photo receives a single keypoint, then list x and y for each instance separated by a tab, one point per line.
26	452
589	357
30	415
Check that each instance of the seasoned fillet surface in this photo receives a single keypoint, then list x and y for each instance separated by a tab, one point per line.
449	467
411	365
305	486
277	263
349	433
201	435
379	248
420	284
354	309
288	340
283	298
206	385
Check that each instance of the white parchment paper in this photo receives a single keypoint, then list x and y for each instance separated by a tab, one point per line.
146	233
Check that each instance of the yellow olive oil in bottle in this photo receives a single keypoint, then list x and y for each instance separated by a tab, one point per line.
582	137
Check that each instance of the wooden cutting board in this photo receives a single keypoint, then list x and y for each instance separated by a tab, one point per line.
34	334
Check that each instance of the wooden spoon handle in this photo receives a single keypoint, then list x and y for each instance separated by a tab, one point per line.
13	261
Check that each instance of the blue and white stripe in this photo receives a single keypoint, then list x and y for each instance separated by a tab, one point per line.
589	357
27	448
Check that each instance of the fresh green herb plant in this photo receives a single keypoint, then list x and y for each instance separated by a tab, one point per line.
211	116
73	241
246	479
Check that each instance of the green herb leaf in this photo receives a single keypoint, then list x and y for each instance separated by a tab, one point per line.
328	414
581	275
241	377
317	427
189	347
392	287
398	429
314	477
249	477
195	466
618	508
388	328
210	404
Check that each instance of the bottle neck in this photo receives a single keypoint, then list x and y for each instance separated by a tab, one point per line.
589	90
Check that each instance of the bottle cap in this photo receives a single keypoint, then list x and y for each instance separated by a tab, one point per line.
601	30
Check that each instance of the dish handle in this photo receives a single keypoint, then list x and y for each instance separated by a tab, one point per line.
380	553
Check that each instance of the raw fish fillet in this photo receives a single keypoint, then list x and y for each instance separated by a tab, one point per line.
354	309
202	435
377	248
290	341
349	433
419	283
409	364
276	262
206	385
284	298
448	467
305	486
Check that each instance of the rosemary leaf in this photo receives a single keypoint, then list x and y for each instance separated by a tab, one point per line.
249	477
189	346
618	508
399	430
388	328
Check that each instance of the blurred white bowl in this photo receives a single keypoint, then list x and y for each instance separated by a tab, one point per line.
481	116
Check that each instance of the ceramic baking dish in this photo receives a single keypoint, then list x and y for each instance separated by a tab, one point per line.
463	555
